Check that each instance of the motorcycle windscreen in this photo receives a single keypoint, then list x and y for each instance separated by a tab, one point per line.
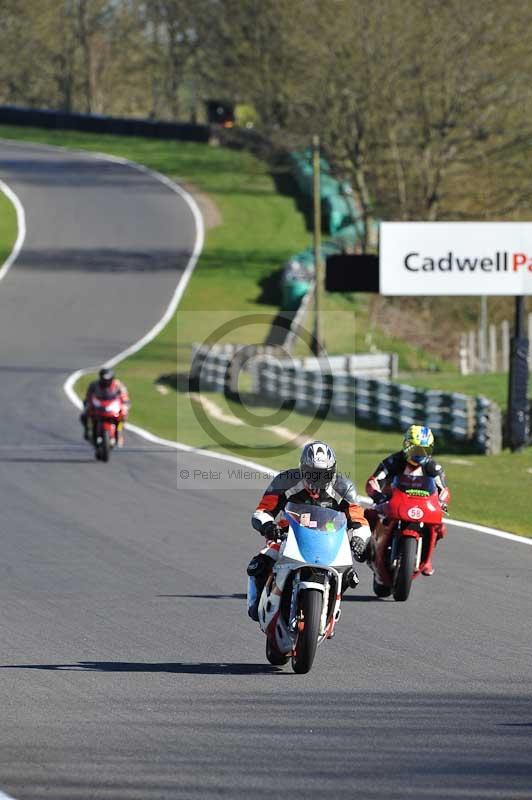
415	485
319	533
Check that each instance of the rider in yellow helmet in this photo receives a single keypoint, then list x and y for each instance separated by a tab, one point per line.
415	457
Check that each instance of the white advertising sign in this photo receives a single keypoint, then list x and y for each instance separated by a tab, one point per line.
455	258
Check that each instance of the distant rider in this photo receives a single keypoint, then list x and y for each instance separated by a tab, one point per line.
107	387
314	482
414	459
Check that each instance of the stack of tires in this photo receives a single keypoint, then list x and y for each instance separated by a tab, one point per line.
339	208
299	271
339	219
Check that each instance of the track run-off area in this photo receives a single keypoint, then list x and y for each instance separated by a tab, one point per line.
129	669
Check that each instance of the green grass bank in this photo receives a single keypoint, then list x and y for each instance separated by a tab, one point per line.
8	226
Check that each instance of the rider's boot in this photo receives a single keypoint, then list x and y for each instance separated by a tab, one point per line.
258	571
380	588
84	421
350	579
428	569
253	598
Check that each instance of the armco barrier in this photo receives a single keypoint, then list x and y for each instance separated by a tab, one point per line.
377	365
216	368
94	123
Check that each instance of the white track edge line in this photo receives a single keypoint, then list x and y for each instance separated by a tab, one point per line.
513	537
457	523
152	333
21	228
4	269
68	385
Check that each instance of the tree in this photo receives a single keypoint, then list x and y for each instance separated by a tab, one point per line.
171	28
417	101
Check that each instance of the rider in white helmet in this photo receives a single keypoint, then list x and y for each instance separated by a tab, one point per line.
315	482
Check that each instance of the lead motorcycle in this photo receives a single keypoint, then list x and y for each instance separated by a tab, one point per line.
300	603
409	518
105	420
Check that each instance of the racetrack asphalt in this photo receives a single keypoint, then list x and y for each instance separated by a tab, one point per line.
129	669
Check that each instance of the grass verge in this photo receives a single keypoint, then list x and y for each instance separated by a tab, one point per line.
8	227
493	385
259	230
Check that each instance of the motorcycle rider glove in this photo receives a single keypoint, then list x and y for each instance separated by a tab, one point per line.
379	498
358	548
268	530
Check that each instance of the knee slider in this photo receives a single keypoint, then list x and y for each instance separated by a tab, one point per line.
260	566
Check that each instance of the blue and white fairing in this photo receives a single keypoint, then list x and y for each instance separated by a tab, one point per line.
317	537
315	554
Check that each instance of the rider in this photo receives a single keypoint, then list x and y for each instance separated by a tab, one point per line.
414	459
314	482
106	387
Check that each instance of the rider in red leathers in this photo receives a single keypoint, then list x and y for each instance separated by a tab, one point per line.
106	387
414	459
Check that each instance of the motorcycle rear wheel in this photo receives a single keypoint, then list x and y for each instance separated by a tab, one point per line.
310	603
275	658
405	568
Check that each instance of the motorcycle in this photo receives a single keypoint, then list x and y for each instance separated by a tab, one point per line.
105	421
300	603
411	514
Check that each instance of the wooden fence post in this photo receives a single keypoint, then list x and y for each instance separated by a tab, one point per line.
471	348
505	333
463	355
492	348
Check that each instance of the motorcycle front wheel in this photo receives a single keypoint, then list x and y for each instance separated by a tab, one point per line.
310	602
406	566
105	447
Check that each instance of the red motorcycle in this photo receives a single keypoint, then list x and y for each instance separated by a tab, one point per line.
404	540
105	421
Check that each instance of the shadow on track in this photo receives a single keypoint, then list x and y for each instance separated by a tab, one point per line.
86	458
178	667
361	598
45	460
238	596
516	724
105	260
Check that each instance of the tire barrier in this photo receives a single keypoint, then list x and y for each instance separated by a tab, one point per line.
339	207
373	402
